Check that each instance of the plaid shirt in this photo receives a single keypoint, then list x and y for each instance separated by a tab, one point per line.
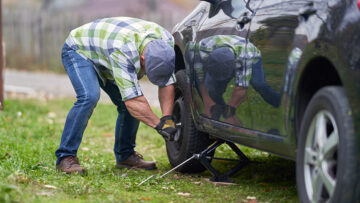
246	54
114	46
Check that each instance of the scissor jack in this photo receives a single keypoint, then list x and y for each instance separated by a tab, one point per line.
205	158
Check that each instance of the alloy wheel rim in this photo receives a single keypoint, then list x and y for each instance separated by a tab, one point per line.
177	112
320	157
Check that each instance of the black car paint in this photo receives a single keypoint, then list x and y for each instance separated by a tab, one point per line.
329	36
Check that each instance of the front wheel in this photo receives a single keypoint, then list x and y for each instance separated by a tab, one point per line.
188	140
327	168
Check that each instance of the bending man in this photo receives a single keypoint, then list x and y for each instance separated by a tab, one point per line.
114	53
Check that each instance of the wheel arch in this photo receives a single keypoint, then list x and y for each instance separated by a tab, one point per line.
319	72
179	59
179	65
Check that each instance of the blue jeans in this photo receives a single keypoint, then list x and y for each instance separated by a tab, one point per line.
265	90
87	87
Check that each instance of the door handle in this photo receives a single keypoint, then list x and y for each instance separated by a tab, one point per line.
307	11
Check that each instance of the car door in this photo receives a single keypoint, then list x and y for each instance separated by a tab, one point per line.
272	32
216	92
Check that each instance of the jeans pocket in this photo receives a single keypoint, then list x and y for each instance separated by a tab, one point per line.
69	59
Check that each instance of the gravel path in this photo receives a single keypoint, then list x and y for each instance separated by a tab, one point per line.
24	84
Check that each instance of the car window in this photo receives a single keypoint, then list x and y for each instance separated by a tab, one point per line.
231	8
226	12
255	4
274	6
239	7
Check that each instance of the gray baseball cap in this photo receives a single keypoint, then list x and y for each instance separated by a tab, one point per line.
221	64
159	62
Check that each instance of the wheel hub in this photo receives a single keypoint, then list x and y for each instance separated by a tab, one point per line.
177	112
320	157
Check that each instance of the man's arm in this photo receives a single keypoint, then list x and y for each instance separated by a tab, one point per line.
140	109
238	96
166	98
208	102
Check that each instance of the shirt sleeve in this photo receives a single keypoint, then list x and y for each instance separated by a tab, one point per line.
167	37
125	76
248	56
172	80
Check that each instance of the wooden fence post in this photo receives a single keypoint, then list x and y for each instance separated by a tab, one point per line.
1	63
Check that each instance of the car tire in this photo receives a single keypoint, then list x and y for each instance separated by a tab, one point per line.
188	139
327	168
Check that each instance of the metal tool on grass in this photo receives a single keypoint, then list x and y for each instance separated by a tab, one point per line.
195	156
205	158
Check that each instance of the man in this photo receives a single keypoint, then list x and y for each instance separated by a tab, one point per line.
114	53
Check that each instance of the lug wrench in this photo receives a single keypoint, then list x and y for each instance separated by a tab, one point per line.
212	147
195	156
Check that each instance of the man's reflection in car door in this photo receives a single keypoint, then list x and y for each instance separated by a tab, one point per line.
225	63
224	66
213	61
221	66
221	76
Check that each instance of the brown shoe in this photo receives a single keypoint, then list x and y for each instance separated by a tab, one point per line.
136	161
69	165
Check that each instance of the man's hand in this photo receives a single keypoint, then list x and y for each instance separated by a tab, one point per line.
167	128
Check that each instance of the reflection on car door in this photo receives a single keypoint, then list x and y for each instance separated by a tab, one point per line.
220	78
272	31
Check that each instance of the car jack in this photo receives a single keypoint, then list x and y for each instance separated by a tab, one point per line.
205	158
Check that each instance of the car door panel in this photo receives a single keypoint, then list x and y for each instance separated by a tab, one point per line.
215	92
272	31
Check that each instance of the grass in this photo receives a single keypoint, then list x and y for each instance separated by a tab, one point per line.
30	132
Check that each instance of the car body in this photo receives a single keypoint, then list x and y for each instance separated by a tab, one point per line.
293	71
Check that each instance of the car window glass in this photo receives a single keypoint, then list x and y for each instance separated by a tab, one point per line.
274	6
234	8
231	8
255	4
220	17
239	7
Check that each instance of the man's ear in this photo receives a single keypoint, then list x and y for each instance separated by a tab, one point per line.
142	61
142	57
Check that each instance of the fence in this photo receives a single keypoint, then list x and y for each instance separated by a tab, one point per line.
34	36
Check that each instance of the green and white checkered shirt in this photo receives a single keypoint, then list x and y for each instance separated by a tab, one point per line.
246	54
114	46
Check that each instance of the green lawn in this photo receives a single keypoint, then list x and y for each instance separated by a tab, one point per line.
30	132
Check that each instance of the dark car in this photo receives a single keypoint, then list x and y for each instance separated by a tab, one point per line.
282	76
